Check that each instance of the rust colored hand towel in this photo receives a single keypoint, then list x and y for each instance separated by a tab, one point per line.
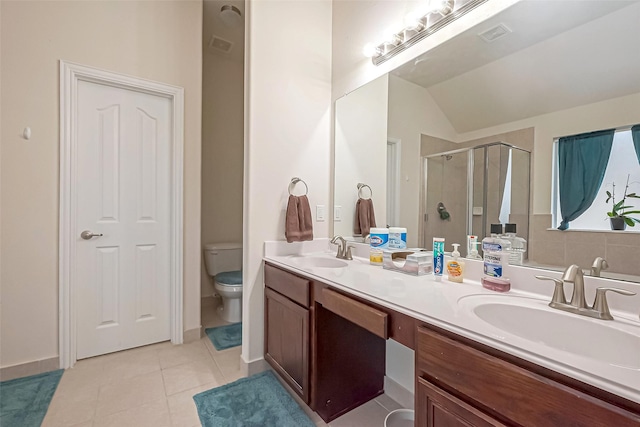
365	217
298	224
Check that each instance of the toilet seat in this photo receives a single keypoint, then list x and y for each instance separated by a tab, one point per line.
229	278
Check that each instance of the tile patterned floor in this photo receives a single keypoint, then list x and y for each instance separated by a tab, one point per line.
154	386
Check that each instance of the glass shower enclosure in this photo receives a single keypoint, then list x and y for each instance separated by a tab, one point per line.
465	191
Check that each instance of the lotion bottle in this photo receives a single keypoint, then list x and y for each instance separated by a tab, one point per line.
455	267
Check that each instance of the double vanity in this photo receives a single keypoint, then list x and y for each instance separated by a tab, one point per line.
481	358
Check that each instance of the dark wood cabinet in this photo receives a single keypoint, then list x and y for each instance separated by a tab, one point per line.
438	408
287	328
349	360
329	346
461	384
287	341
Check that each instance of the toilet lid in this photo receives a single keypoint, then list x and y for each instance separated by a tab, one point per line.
230	277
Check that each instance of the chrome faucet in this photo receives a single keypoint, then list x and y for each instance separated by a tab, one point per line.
578	304
344	250
599	264
573	274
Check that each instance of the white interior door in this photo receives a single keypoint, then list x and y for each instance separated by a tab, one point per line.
122	276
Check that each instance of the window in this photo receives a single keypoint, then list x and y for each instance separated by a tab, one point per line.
623	162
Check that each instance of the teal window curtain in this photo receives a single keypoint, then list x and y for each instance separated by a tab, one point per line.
635	134
582	163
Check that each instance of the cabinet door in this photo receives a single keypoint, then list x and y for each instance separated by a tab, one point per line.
437	408
287	341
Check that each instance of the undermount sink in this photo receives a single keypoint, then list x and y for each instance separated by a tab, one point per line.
533	320
320	262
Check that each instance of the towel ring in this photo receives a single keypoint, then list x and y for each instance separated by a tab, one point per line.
361	186
296	180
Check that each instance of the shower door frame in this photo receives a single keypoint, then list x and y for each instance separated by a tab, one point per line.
470	173
423	191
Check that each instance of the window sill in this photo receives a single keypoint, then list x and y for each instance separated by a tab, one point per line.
596	231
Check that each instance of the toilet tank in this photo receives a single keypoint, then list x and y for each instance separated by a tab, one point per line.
219	257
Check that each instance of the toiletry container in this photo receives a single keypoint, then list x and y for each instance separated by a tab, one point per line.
397	237
518	245
495	251
472	247
378	241
438	258
455	267
470	240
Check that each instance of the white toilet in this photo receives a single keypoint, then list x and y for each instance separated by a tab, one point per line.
224	264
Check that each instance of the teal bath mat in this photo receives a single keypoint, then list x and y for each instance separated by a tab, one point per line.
24	401
257	401
227	336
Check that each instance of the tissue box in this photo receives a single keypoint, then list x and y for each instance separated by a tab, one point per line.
409	261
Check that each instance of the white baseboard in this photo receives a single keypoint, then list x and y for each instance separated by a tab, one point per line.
398	393
29	368
192	335
253	367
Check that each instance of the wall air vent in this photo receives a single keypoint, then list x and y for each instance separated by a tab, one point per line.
494	33
219	44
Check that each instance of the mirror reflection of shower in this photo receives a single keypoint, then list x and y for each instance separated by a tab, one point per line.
474	187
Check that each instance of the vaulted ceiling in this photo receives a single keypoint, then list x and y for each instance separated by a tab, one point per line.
558	55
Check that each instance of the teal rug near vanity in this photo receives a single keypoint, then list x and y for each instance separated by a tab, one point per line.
24	401
256	401
227	336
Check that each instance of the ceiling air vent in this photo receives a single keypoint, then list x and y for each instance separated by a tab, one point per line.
494	33
220	45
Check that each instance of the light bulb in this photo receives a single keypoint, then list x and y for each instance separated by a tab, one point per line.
370	50
391	37
412	20
443	7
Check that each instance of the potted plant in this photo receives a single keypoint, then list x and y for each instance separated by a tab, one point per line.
620	213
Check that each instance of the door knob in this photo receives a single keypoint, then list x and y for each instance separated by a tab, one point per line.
86	234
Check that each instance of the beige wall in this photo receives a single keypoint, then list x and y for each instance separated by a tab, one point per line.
222	152
412	112
287	125
361	152
155	40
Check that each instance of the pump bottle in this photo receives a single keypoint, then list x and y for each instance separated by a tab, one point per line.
455	266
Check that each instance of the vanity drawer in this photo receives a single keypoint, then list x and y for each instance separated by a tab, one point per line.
293	287
509	392
369	318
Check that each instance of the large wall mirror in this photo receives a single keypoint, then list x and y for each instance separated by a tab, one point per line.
497	95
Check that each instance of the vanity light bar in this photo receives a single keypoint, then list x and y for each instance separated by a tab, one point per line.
417	28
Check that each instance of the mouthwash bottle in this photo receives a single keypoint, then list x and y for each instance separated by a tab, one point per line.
495	251
518	245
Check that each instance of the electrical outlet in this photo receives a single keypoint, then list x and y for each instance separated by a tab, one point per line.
320	212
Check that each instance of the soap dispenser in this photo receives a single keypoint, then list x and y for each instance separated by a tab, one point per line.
473	253
455	267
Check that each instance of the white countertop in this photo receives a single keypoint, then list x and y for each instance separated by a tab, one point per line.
445	304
